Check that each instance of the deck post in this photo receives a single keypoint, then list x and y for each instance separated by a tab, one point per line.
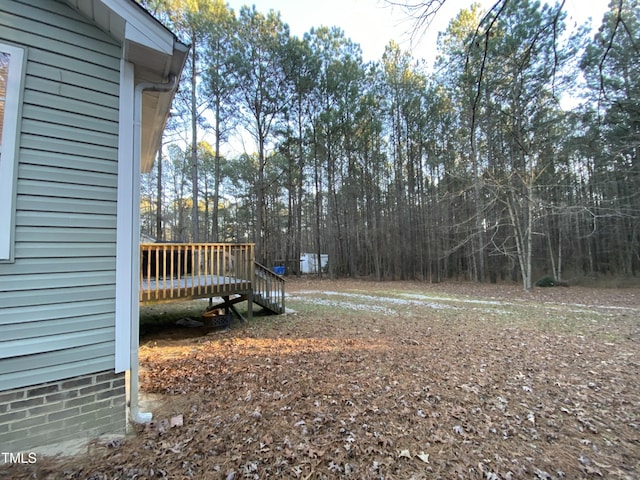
227	305
250	304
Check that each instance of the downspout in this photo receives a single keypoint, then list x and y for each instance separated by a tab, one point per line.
135	413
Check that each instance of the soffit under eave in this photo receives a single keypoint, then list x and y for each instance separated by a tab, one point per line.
156	106
148	44
126	19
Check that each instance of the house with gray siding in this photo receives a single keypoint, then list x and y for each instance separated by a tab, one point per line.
85	91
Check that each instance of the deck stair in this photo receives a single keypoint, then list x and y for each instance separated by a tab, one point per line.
268	289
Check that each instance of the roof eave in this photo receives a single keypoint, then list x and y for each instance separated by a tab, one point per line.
155	51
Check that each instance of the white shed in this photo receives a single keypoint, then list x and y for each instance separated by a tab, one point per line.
309	262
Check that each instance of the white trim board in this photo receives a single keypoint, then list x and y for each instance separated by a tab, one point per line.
127	213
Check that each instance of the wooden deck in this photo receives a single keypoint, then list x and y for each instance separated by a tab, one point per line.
182	271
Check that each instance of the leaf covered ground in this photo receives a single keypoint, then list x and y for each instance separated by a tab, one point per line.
391	381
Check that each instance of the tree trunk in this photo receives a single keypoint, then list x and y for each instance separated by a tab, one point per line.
260	198
479	254
159	229
216	183
194	142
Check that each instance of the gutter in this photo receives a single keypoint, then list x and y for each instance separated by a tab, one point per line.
136	415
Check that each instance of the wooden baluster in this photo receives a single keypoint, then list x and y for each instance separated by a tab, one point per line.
198	259
192	254
156	273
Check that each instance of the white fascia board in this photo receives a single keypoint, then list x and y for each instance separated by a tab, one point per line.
134	34
141	27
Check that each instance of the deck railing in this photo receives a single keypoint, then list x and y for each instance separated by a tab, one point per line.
268	289
194	270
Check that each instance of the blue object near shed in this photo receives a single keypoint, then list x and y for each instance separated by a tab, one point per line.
278	270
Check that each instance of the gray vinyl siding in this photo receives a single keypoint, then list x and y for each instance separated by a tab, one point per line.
57	300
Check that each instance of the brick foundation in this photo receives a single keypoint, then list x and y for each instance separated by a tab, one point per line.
77	408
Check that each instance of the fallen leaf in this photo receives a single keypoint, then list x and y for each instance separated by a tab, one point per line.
177	421
404	453
424	457
542	475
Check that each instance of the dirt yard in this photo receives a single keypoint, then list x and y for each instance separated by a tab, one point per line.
391	381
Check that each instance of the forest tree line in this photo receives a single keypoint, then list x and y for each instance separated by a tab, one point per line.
516	155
